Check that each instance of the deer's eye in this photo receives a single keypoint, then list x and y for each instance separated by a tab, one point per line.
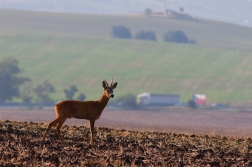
107	91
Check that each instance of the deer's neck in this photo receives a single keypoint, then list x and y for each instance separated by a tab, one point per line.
103	101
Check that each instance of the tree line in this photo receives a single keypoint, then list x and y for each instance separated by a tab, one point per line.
177	36
14	85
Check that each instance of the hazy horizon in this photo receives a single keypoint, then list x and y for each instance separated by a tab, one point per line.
232	11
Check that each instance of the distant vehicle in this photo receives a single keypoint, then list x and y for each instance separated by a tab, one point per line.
151	99
199	99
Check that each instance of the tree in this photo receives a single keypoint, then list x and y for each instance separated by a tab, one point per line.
43	90
128	101
147	12
121	32
140	35
70	93
10	81
27	93
181	9
150	35
146	35
81	97
192	104
176	36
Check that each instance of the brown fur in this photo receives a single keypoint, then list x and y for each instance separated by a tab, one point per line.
90	110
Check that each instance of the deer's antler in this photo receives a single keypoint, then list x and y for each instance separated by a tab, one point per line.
111	82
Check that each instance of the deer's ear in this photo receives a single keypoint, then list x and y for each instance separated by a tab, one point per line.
104	85
114	85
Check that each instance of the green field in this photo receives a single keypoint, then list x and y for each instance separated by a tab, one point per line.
71	49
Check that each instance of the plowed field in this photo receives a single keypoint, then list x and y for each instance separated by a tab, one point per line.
20	145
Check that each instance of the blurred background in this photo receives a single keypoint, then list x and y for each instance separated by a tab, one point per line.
168	55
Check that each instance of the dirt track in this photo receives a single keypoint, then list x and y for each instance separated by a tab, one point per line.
231	123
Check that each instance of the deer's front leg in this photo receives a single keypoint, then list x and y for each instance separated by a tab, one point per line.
91	125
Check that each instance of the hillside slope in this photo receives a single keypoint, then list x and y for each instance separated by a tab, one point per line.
69	49
204	32
137	66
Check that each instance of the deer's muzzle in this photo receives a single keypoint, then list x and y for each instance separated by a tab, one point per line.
112	96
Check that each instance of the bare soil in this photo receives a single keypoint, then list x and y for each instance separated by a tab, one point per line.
20	145
128	138
230	122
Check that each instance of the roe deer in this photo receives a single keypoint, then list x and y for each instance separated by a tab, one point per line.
90	110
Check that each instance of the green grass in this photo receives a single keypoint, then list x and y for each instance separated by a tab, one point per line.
205	32
70	49
138	66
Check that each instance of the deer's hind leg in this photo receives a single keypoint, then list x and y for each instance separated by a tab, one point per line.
53	123
58	129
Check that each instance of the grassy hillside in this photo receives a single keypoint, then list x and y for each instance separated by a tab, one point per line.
69	49
205	32
138	66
